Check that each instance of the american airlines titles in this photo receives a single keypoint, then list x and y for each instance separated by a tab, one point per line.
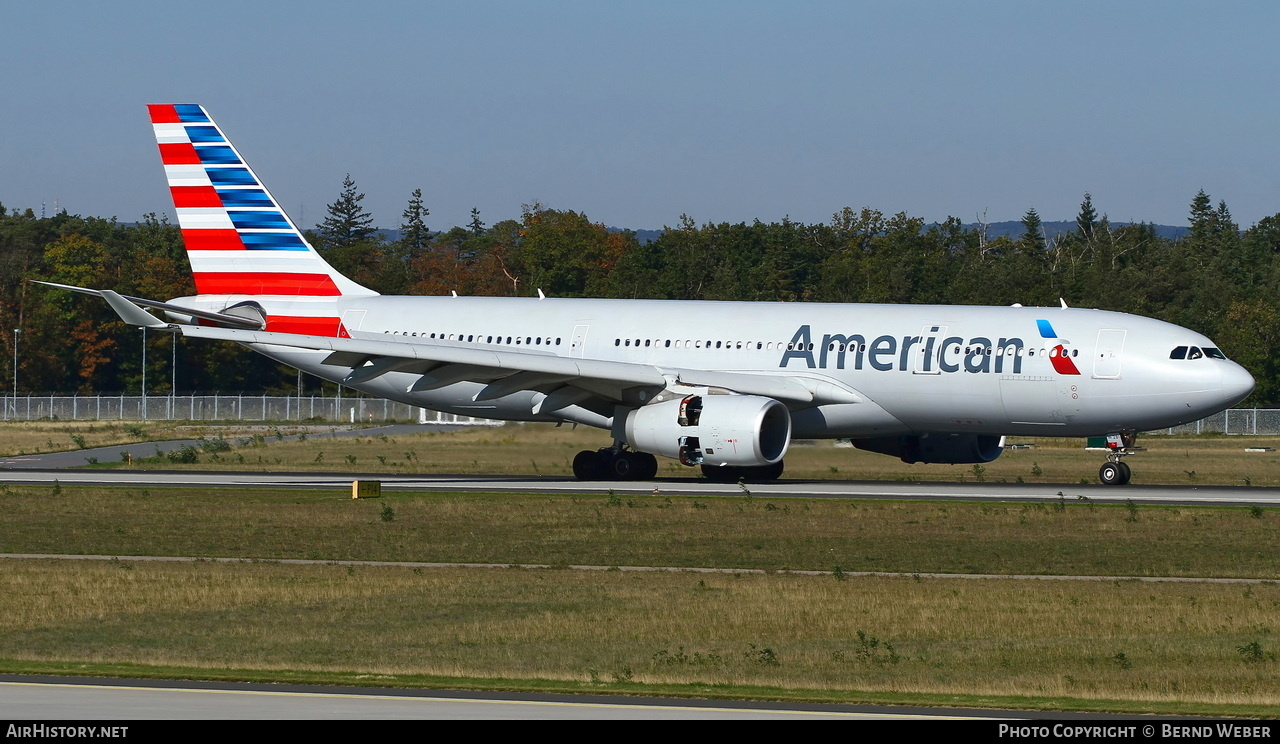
925	354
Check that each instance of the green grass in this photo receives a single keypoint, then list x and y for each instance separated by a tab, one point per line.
538	449
1185	648
725	532
541	449
34	437
1109	645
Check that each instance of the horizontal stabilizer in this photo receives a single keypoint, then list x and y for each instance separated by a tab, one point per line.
233	321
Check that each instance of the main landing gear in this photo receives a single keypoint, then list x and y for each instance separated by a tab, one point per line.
1115	471
614	463
732	474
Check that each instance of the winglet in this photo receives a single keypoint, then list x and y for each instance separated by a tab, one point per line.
131	313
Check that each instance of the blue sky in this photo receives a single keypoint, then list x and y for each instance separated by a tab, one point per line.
636	112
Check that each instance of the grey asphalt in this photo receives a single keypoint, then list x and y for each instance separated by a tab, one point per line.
1022	492
57	699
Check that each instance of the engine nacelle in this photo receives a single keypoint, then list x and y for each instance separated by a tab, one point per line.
713	429
949	449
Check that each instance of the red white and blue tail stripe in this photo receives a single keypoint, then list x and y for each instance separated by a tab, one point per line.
239	240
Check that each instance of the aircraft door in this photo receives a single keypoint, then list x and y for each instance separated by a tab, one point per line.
1106	360
926	352
352	320
578	344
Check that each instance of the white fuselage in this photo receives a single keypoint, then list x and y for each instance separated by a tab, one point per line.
912	368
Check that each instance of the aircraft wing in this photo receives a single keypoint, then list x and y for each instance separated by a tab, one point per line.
509	371
503	371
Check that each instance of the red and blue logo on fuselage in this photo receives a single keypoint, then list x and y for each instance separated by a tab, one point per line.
1062	363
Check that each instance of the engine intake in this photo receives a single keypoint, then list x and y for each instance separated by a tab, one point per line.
713	429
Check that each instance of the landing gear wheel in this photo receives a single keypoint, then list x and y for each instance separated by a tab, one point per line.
588	465
1114	474
623	467
646	465
732	474
608	464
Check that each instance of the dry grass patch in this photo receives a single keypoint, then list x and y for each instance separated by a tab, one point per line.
1089	640
728	532
540	449
35	437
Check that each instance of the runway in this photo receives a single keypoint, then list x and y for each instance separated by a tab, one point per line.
51	698
929	491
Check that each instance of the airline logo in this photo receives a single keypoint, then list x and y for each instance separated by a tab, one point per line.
927	354
1058	357
224	212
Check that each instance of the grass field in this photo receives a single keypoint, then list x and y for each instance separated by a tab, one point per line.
538	449
1124	645
1070	537
34	437
1111	645
1114	645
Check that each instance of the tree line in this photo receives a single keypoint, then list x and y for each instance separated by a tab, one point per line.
1216	279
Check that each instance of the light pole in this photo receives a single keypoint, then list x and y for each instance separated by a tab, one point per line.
144	373
16	333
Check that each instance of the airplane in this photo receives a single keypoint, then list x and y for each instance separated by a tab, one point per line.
724	386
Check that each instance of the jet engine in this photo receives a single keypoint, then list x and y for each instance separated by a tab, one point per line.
950	449
743	430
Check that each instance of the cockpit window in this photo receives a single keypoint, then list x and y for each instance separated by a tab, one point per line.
1213	353
1179	352
1194	353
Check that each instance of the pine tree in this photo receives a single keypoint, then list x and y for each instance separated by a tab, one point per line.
477	227
1033	234
1087	220
414	234
348	223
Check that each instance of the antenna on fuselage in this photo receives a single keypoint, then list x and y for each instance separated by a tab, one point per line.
1064	303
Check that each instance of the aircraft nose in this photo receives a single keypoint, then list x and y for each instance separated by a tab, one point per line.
1237	383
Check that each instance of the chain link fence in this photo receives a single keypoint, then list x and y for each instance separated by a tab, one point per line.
1232	421
220	407
320	408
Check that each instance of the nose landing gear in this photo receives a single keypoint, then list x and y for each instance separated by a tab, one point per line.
1116	472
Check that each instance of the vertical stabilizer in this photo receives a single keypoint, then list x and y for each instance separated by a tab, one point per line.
239	240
